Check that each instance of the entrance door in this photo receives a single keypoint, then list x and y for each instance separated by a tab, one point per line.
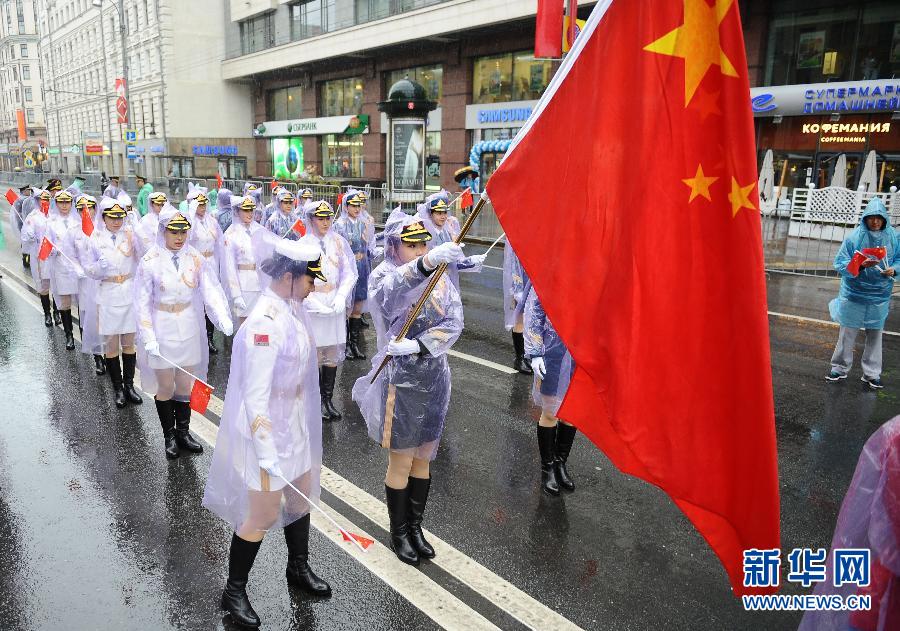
826	163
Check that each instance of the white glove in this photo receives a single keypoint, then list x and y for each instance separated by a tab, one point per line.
379	251
103	263
339	304
445	253
228	328
314	306
537	365
271	467
477	259
240	304
266	454
152	348
402	347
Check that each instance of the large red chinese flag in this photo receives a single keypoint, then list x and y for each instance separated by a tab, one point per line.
548	29
648	258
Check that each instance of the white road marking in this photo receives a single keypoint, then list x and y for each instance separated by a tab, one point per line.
789	316
439	604
482	362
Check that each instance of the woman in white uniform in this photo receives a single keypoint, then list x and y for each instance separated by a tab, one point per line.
34	227
112	256
149	223
330	301
206	236
65	271
87	289
173	285
238	263
270	429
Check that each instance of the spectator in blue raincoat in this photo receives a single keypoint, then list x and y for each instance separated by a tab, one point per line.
864	299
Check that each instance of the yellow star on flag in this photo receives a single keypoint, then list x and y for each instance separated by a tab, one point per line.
699	184
697	42
740	196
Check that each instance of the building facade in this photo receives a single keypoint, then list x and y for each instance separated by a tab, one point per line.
183	119
23	132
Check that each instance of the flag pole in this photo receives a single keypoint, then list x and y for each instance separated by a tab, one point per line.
327	516
435	277
189	374
494	243
77	266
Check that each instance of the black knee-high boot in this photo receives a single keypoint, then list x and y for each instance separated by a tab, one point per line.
298	572
99	365
210	329
67	328
522	363
418	497
547	446
115	375
182	423
234	598
166	411
45	305
565	436
354	334
327	376
398	509
131	395
57	317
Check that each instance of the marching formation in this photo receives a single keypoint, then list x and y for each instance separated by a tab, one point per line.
291	282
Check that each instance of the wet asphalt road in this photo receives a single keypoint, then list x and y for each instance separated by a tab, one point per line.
99	531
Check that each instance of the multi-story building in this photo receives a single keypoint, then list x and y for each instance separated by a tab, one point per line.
319	65
185	119
23	133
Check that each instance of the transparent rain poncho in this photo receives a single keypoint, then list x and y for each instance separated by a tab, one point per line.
516	286
277	222
170	305
271	403
224	212
864	300
869	519
406	406
360	234
238	265
64	231
109	291
445	234
33	230
327	304
541	340
205	234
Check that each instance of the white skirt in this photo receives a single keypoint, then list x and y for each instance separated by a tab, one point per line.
185	353
328	330
293	464
116	319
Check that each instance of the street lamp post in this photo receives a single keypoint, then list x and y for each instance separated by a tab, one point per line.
120	8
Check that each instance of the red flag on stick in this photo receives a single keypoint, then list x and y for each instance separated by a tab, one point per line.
218	180
548	29
365	542
704	429
87	224
299	228
46	249
45	206
200	394
11	196
465	200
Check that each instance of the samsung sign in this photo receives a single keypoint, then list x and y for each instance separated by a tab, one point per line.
498	115
846	97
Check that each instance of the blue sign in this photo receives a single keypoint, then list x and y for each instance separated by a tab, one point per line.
130	135
763	103
508	115
130	152
215	150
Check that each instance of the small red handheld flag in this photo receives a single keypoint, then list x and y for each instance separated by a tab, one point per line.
274	183
465	200
218	180
11	196
363	541
87	224
46	249
45	206
200	395
879	252
853	266
340	198
299	228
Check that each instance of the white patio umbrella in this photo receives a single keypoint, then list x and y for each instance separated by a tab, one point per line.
840	172
869	177
767	178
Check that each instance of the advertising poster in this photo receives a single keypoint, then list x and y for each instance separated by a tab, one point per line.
408	155
287	158
811	49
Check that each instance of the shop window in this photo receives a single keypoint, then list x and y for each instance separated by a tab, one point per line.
232	168
433	160
499	133
342	155
341	97
182	167
492	79
429	77
257	34
878	52
284	103
530	77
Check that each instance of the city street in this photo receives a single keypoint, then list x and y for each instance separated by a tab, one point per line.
99	531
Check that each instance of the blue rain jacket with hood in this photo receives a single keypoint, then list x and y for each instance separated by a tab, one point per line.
864	300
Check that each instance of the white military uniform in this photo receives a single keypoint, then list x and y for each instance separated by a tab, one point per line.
63	273
205	235
239	266
147	228
115	291
339	267
33	230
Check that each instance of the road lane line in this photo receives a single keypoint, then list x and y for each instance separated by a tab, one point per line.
439	604
789	316
482	362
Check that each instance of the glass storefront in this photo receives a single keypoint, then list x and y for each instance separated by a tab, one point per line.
510	77
429	77
433	160
284	103
341	97
342	155
841	42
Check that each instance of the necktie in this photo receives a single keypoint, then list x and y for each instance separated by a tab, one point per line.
175	261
